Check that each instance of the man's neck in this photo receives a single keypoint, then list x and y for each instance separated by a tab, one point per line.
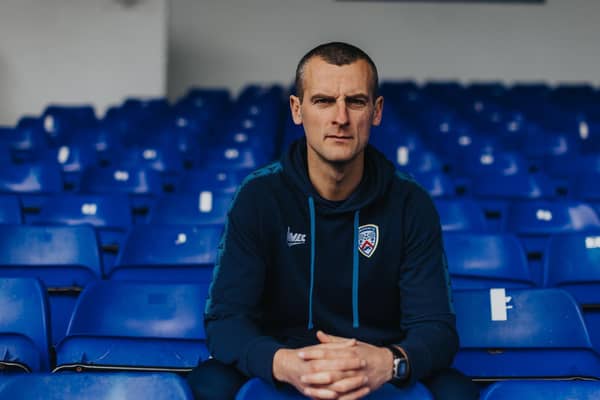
335	182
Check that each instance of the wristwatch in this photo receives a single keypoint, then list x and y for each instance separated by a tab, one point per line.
400	368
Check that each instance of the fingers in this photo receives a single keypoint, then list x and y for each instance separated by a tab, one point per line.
349	388
326	338
326	377
319	393
344	364
320	353
357	394
349	385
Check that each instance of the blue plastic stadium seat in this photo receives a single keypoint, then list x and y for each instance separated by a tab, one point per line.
416	162
518	186
167	253
109	214
258	389
233	158
460	214
26	139
99	386
204	208
495	193
24	326
487	163
165	159
10	210
136	326
72	160
62	122
61	256
123	180
6	157
573	263
213	180
535	221
436	183
32	182
542	390
65	258
585	186
142	185
520	333
479	260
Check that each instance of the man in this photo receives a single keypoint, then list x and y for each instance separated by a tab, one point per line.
331	273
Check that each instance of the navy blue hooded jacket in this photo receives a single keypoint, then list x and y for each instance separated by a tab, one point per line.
371	267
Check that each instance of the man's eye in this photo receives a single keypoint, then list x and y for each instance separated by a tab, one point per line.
322	101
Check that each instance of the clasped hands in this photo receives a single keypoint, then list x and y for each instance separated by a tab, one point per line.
336	368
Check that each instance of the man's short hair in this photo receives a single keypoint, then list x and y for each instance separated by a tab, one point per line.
336	53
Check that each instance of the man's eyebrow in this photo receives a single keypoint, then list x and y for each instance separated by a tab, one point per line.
321	96
358	96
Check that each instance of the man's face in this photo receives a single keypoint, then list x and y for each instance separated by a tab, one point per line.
337	110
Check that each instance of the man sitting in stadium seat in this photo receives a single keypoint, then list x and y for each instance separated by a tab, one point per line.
330	275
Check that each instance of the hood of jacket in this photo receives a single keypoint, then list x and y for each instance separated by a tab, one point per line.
377	176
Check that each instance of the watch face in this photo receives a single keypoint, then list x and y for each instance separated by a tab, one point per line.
400	370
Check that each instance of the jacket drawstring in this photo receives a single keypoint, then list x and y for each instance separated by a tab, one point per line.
355	265
311	209
355	321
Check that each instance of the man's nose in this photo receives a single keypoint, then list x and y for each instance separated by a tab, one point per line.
341	117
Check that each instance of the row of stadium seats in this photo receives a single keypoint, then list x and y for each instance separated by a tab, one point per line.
118	210
166	386
43	178
68	258
150	327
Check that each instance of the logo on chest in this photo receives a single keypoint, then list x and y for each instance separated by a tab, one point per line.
368	238
294	239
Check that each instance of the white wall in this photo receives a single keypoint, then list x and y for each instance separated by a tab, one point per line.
233	42
74	51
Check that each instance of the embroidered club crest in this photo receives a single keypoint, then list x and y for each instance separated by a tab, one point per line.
368	238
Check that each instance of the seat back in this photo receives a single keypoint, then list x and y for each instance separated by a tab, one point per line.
61	256
36	178
204	208
24	325
211	179
460	214
137	326
10	210
477	261
518	186
99	210
535	221
167	253
535	333
542	390
100	386
121	180
573	263
140	310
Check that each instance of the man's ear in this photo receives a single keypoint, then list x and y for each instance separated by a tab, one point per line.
377	111
296	109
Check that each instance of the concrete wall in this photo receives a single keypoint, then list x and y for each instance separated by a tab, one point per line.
74	51
232	42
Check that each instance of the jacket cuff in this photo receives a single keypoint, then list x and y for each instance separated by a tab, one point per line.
259	358
419	359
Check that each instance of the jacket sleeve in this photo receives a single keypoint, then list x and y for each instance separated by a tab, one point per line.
428	319
233	309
